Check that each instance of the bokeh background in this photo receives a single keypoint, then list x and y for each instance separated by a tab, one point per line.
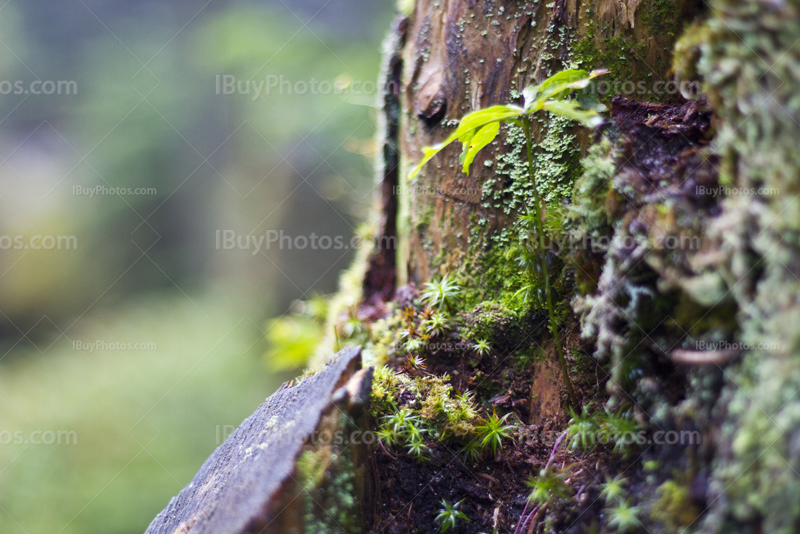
138	345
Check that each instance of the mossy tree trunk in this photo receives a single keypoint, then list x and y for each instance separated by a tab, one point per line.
459	56
444	59
667	323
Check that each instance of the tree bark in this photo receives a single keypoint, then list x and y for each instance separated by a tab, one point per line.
459	56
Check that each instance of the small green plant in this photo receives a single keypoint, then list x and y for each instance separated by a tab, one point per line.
582	430
417	447
402	420
404	426
465	409
415	364
482	347
352	326
473	451
548	487
388	436
400	425
479	128
448	515
492	432
621	427
414	344
436	325
441	294
614	489
624	518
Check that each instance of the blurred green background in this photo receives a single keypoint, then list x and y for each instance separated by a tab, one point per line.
127	358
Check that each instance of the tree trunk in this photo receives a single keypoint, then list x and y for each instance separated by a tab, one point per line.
459	56
677	256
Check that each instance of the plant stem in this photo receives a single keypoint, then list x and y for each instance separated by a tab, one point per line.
540	207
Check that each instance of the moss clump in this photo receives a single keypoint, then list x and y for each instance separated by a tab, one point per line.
386	386
493	322
591	214
634	69
499	276
443	415
660	17
674	508
614	53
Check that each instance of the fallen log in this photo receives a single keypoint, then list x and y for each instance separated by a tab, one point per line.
292	466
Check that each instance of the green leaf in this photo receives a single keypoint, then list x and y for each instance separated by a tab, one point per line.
571	110
589	102
564	82
482	117
466	130
483	137
428	153
466	139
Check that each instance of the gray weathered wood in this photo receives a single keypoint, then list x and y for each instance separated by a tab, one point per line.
249	482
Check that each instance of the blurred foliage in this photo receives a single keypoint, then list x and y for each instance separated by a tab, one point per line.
147	115
144	420
293	341
294	338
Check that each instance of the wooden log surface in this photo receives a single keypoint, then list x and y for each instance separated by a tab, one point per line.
243	486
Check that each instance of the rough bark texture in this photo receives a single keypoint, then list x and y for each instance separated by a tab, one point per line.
275	475
461	56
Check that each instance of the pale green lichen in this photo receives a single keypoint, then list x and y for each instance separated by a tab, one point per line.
748	61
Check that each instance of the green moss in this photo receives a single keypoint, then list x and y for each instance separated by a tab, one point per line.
613	53
500	276
660	17
674	508
626	56
556	165
327	478
745	56
496	258
386	386
444	415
